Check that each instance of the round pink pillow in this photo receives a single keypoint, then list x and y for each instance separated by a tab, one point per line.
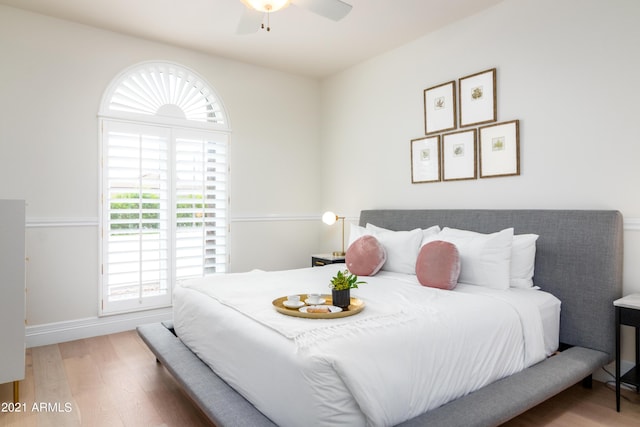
438	265
365	256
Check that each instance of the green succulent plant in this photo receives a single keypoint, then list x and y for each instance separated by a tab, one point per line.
345	280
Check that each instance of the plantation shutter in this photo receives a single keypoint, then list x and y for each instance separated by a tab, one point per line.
164	214
136	216
201	203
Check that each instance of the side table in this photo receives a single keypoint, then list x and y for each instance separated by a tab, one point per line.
319	260
627	313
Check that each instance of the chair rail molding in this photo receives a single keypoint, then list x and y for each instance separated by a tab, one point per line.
62	222
630	224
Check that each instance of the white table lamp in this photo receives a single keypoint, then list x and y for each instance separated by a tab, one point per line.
330	218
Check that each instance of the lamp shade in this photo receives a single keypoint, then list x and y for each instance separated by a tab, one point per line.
329	218
267	5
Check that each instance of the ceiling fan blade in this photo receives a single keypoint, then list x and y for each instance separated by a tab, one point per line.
332	9
250	21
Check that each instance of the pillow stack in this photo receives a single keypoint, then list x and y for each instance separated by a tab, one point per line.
442	258
401	247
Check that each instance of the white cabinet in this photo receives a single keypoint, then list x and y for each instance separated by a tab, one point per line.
12	292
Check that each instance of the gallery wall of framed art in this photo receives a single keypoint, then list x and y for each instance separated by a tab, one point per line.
464	140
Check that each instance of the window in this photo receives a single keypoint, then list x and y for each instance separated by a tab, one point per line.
164	186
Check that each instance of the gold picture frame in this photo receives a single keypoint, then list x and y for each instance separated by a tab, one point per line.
500	149
478	101
460	155
425	160
440	108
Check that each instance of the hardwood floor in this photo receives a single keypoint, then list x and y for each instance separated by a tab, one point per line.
109	381
581	407
114	380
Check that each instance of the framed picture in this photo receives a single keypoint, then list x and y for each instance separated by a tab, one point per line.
440	108
425	159
500	149
459	155
478	102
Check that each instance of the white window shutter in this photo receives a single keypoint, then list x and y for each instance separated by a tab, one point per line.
201	204
164	177
136	216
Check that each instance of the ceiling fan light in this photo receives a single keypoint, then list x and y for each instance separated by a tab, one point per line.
268	5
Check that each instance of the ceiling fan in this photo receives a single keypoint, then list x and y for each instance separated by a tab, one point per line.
253	16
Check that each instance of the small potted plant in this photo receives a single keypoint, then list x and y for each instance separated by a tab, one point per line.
341	285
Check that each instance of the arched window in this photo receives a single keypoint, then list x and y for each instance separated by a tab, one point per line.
164	137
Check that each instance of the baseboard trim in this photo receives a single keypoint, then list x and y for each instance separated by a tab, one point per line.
54	333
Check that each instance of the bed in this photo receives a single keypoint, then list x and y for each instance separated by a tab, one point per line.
578	260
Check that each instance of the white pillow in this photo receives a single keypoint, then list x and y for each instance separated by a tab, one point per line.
485	259
523	259
355	232
428	234
402	248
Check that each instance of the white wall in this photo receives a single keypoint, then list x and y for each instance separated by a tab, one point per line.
567	69
52	78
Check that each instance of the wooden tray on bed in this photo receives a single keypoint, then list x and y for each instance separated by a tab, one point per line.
356	306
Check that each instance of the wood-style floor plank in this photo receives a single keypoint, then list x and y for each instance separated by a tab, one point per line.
53	399
578	406
110	381
114	381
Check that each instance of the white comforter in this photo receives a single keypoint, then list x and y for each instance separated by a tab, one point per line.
412	348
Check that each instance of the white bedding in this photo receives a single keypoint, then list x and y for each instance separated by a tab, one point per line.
412	349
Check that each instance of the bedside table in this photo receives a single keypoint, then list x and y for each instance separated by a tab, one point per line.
627	313
323	259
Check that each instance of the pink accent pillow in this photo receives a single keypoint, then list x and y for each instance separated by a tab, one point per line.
438	265
365	256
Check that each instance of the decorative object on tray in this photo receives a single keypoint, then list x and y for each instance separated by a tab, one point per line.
500	149
425	159
293	301
314	299
320	309
331	312
440	108
341	285
478	103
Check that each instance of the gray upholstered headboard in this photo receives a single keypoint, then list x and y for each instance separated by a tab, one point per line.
578	259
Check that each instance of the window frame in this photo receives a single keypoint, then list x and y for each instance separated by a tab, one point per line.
217	130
